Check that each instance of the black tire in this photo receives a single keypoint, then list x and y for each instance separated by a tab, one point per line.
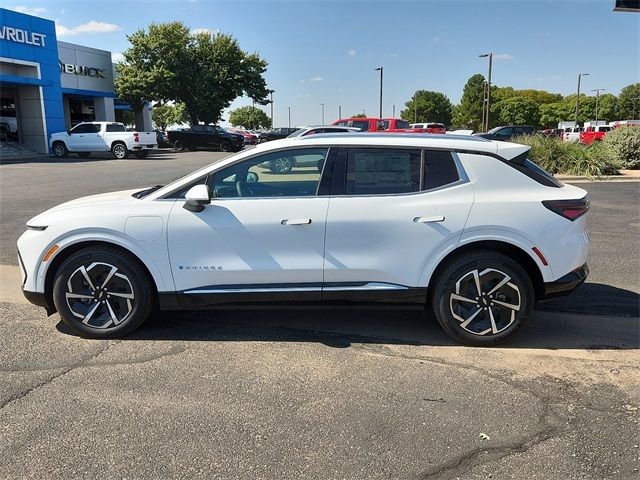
119	151
102	305
141	153
225	146
60	149
281	165
477	313
179	146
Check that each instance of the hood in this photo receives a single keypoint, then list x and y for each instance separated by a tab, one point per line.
112	198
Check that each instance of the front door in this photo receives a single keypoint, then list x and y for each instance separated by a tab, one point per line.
261	238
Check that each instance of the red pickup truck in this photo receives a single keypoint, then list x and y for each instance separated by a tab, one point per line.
594	134
391	125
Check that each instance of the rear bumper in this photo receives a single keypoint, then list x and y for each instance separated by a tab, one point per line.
567	284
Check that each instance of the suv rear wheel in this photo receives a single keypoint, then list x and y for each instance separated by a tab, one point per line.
482	298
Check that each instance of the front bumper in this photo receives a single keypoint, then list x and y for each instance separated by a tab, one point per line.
567	284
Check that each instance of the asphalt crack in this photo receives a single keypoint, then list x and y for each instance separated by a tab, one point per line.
88	363
65	370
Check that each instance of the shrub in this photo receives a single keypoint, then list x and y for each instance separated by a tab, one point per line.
623	144
570	158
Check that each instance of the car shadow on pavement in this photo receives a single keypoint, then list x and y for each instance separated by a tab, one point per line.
340	328
596	299
162	154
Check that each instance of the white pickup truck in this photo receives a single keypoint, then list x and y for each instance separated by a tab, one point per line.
88	137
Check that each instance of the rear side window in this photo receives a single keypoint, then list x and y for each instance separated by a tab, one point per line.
361	124
402	124
439	169
115	127
534	171
379	171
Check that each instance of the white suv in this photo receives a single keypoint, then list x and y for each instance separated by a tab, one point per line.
465	225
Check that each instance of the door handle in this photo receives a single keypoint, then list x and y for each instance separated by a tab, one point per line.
436	218
296	221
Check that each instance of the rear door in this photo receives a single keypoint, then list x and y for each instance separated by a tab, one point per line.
393	209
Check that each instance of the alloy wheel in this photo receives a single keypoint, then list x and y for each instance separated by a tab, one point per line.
119	151
58	150
485	302
282	165
100	295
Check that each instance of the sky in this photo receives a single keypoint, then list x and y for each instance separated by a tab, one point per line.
325	51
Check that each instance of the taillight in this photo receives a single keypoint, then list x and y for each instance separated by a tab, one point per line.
569	209
136	137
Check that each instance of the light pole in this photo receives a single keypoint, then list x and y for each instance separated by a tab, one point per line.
597	90
381	69
484	101
394	112
339	111
363	112
289	108
415	109
580	75
271	102
488	96
322	105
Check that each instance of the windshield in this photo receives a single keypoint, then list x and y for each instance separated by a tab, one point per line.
297	133
494	130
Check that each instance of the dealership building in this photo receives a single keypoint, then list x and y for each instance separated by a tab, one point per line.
47	86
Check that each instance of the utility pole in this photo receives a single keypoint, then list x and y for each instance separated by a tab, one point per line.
488	95
381	70
578	96
322	104
597	90
289	108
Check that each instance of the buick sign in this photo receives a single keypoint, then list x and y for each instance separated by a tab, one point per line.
81	70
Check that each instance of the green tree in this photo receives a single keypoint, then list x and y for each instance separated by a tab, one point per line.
553	113
249	117
608	107
204	72
587	110
515	111
468	114
629	102
541	97
359	115
427	106
164	115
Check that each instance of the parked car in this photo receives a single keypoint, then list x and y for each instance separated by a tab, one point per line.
373	124
594	134
304	131
506	133
206	136
162	139
276	134
468	227
249	138
430	127
88	137
572	134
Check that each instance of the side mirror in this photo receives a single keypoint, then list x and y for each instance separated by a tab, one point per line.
68	132
196	198
252	177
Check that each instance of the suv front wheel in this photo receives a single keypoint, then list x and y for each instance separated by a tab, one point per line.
482	298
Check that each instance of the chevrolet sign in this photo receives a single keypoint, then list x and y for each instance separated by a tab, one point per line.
22	36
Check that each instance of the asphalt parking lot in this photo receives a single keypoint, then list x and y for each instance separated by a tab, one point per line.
318	393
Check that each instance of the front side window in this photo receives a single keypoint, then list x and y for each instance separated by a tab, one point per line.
402	124
93	128
80	128
374	171
285	173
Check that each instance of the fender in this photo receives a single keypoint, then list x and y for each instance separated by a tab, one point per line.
499	234
107	236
